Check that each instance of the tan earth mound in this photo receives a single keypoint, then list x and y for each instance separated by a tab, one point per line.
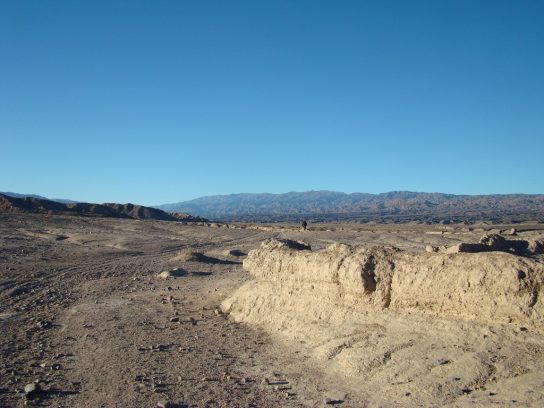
190	256
496	287
382	317
495	242
187	255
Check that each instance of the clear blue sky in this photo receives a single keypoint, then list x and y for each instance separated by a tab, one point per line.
163	101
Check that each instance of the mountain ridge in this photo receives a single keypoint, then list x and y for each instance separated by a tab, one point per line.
32	204
393	206
58	200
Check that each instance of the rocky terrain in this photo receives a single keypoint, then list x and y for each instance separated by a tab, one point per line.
396	207
118	312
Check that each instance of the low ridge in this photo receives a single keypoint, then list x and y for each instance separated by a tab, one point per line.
29	204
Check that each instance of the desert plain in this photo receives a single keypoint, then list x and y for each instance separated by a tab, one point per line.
99	312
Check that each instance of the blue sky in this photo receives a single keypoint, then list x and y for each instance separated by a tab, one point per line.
163	101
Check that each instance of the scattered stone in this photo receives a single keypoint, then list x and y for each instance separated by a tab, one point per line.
495	242
174	319
32	389
279	382
44	324
443	361
174	273
536	246
163	404
431	248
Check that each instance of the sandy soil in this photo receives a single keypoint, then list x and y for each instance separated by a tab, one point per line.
83	312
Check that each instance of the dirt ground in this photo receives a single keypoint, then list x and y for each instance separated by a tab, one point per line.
84	315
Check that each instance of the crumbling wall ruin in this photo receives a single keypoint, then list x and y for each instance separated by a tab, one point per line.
346	280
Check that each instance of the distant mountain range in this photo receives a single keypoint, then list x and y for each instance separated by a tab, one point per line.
396	206
314	206
58	200
20	203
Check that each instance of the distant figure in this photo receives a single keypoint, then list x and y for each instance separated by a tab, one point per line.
304	225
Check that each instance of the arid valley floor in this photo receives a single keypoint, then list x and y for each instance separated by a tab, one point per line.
84	314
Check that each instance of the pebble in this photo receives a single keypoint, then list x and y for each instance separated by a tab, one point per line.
174	319
44	324
163	404
32	388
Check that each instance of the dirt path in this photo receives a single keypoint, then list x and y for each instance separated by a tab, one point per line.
90	320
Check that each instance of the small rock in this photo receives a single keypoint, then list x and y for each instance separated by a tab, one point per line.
44	324
443	361
174	319
174	273
431	248
163	404
32	389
